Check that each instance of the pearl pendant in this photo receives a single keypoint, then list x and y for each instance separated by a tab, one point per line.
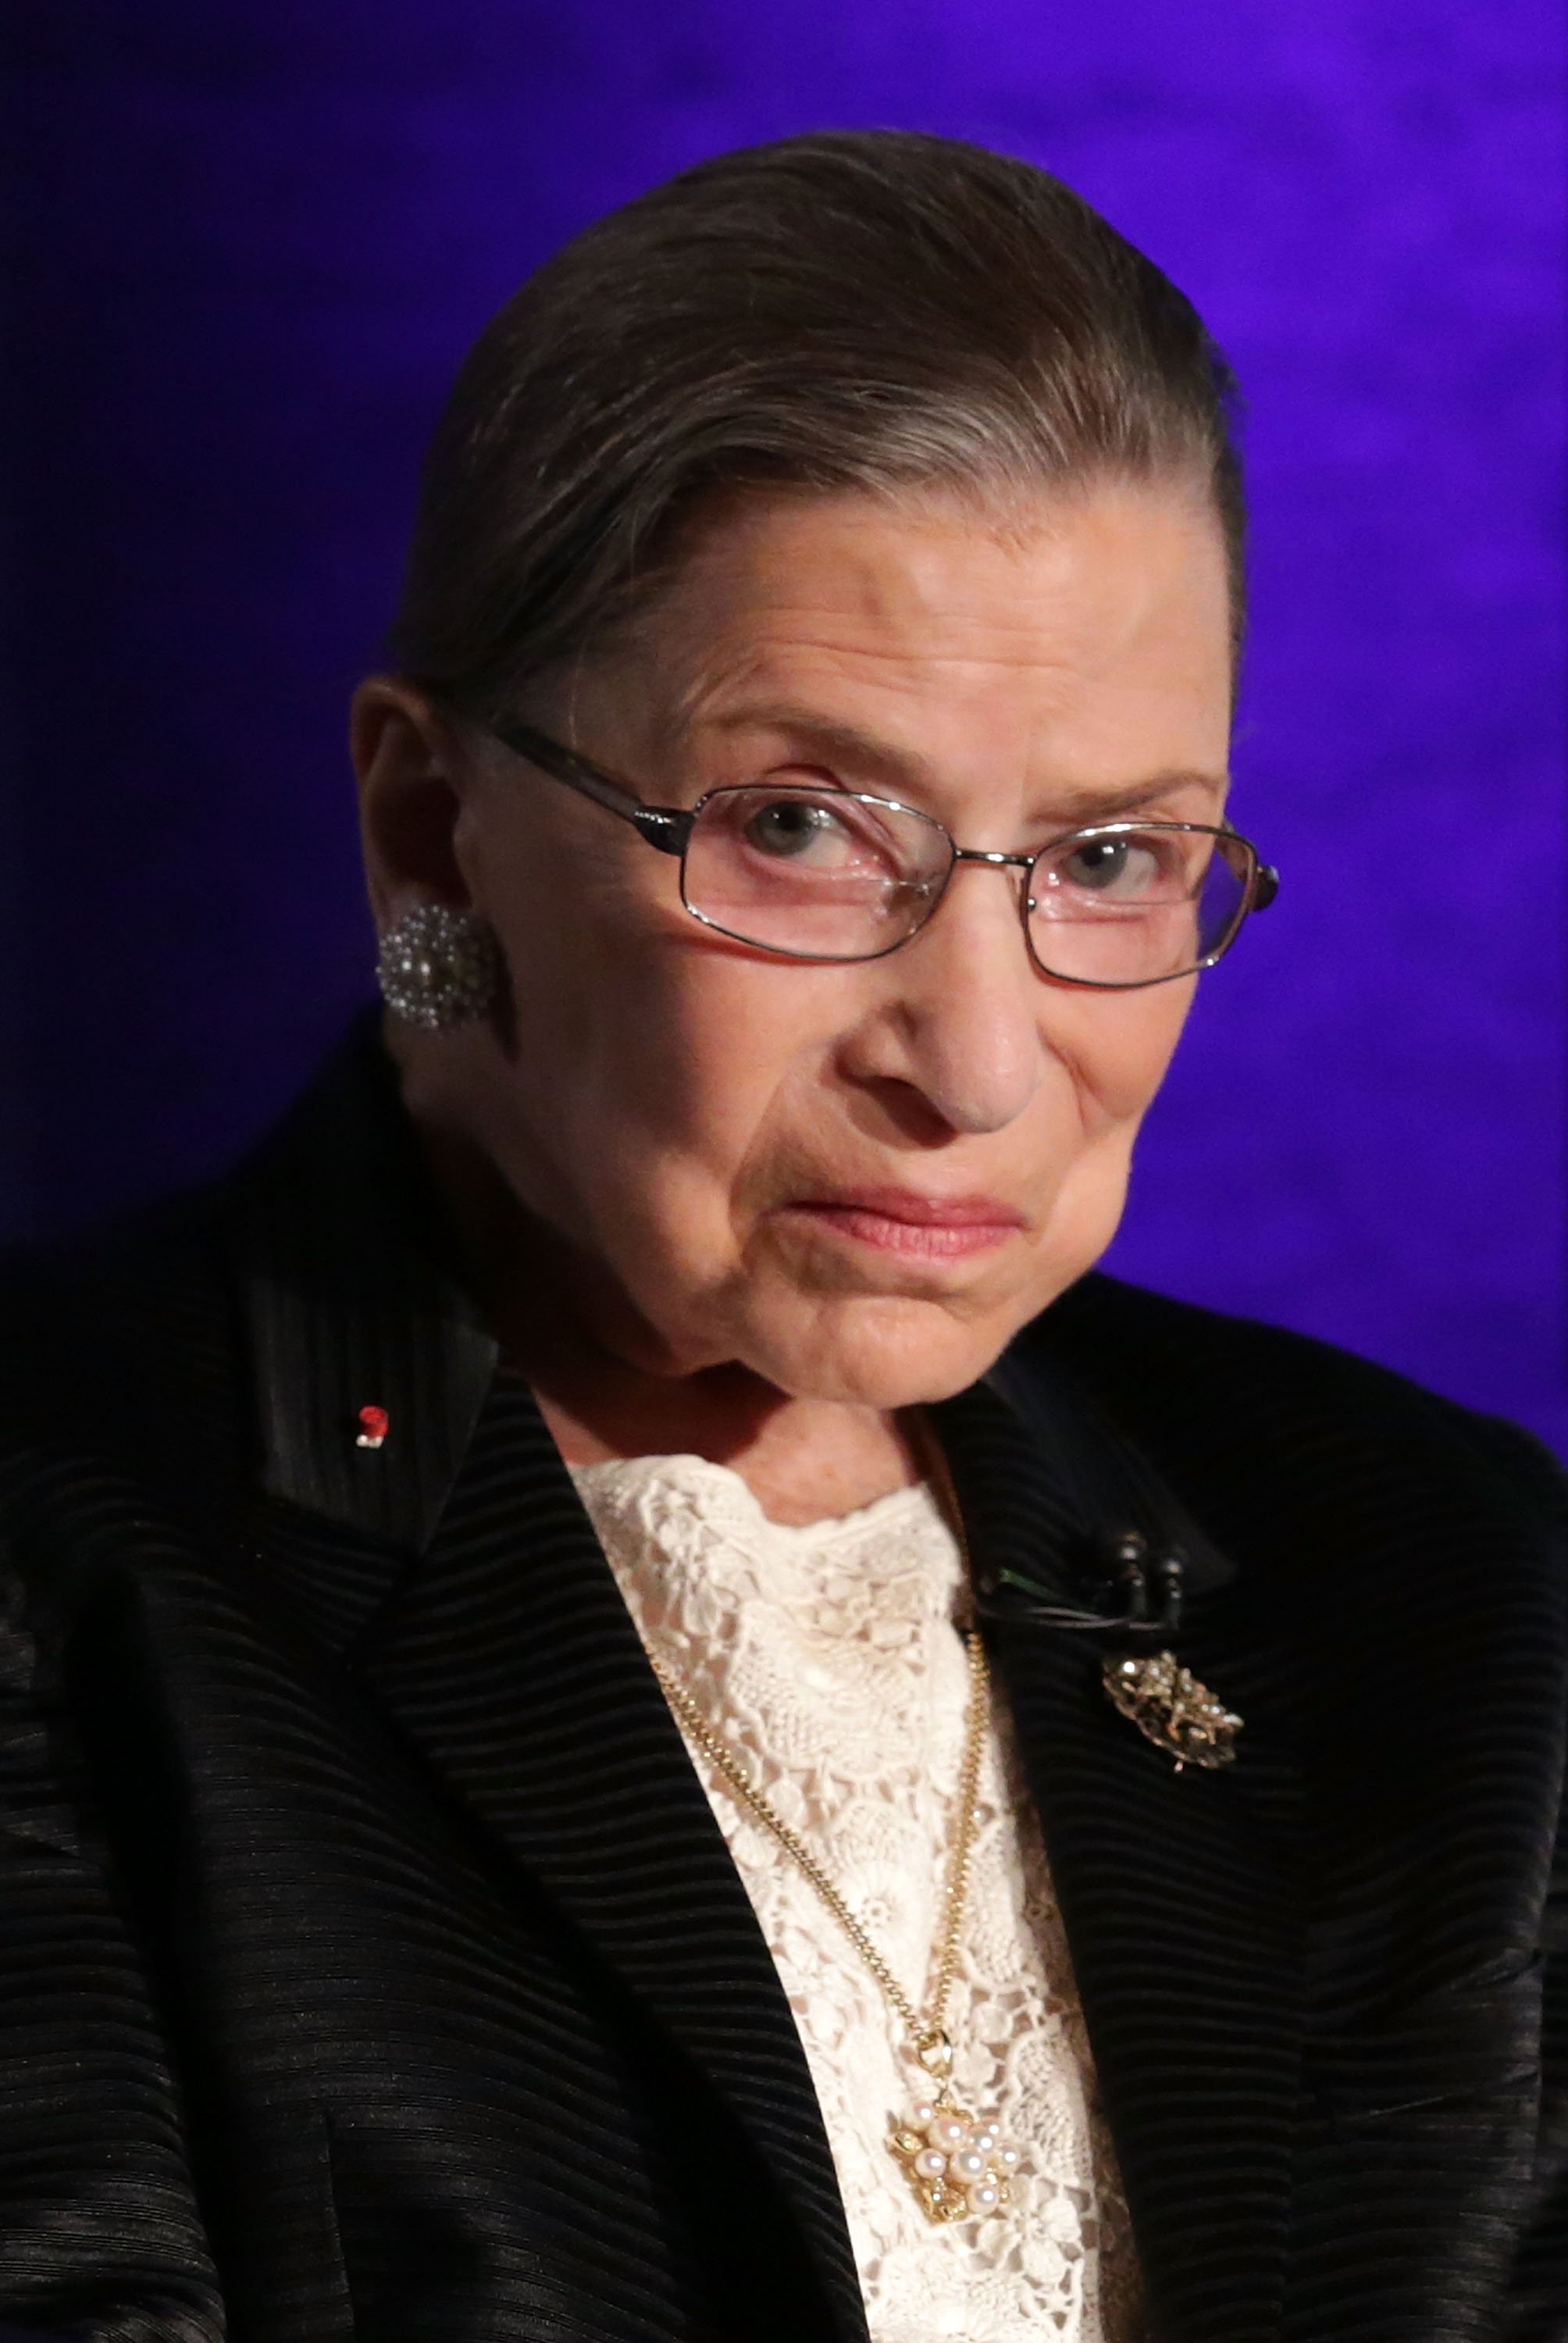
957	2164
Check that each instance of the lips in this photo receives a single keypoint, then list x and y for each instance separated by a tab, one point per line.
904	1222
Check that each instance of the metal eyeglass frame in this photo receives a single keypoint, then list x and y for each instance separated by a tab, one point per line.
670	828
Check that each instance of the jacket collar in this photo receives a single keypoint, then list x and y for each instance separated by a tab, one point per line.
349	1306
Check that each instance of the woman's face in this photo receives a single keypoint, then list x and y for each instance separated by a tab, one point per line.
858	1180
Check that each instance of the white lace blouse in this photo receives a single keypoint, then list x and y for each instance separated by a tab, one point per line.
829	1655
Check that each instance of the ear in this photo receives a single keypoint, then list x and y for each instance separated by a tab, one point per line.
412	774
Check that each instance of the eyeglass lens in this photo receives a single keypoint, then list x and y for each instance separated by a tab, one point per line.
831	875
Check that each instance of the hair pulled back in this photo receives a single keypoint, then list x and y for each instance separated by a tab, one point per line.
858	310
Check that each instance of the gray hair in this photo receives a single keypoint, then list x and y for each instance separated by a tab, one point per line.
859	310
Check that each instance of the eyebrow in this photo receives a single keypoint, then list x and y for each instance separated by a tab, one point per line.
844	743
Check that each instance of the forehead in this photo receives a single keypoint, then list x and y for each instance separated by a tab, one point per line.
1057	620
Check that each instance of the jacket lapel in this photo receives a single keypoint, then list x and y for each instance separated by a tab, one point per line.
1177	1890
1311	1979
510	1660
349	1307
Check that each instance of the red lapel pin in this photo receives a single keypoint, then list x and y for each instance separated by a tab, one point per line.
374	1422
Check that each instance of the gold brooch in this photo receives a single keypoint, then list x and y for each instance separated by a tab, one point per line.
1170	1707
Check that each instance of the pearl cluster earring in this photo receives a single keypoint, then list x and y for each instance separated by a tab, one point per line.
438	968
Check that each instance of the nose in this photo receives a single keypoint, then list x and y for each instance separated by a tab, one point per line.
962	1016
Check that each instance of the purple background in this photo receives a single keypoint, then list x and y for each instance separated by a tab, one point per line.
248	239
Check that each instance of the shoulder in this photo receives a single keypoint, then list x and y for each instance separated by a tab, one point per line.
1250	1420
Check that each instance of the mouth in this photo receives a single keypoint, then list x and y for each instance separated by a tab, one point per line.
911	1226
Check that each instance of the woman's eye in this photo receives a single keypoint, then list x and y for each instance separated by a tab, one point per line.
1123	866
789	825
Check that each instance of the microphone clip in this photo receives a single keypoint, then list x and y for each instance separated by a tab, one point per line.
1121	1587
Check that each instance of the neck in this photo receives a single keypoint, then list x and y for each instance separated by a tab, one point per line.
804	1459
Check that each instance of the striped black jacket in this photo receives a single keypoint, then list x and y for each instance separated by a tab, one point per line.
371	1966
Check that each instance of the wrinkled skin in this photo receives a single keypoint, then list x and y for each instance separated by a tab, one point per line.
651	1151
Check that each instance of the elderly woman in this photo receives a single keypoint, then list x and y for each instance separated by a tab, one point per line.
636	1711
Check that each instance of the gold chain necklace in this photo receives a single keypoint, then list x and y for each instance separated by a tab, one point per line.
957	2163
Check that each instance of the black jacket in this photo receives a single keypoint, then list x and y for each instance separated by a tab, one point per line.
371	1964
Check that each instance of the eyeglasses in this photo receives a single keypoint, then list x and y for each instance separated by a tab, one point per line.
829	874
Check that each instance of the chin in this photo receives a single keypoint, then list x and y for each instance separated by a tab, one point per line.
881	1352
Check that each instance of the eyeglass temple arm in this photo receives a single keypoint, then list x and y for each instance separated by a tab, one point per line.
666	827
1265	883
